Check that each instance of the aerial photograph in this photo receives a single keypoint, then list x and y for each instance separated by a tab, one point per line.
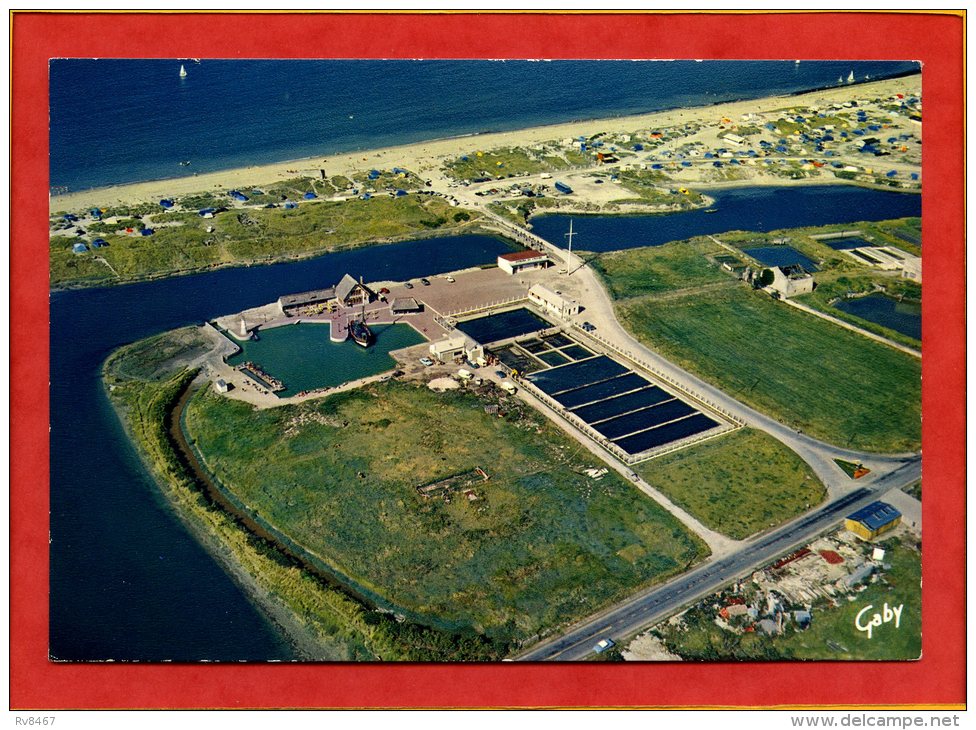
483	361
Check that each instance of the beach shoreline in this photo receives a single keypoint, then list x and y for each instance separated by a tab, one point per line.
426	157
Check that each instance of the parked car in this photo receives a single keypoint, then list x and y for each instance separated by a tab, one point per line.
426	362
408	285
425	282
450	279
588	327
603	645
500	373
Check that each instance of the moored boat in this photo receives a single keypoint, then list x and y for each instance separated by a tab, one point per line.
361	333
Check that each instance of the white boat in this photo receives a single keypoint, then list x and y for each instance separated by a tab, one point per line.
182	71
840	79
850	79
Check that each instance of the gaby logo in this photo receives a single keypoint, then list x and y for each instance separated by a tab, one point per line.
865	621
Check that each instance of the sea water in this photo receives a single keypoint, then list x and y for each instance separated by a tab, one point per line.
124	120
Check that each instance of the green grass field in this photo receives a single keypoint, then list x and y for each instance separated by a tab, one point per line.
832	383
737	484
655	269
901	585
506	161
264	235
543	545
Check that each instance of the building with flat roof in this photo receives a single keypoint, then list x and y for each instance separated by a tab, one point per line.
288	303
457	347
551	301
912	269
873	520
511	263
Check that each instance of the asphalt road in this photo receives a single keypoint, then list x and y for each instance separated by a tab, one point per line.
648	607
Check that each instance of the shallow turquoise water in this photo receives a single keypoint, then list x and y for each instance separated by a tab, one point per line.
304	358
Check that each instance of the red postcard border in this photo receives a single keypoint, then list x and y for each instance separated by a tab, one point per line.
935	39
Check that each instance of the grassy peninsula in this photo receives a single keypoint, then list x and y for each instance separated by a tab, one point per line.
539	544
182	241
457	576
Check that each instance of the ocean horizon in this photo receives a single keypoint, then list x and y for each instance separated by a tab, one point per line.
117	121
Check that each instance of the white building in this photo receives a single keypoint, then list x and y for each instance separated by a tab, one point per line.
510	263
459	346
912	269
221	385
550	301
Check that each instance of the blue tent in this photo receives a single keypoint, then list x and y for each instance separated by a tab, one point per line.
166	203
289	205
464	158
147	231
686	164
99	243
79	248
717	163
257	192
310	195
70	217
734	162
709	155
914	176
96	213
237	195
891	173
780	148
657	166
638	148
400	193
399	171
206	211
365	196
373	174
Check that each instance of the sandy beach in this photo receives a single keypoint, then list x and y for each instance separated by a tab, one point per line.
425	158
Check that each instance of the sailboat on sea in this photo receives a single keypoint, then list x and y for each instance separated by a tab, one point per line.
850	79
182	71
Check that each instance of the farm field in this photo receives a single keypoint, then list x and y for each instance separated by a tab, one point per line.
655	269
539	544
828	382
738	484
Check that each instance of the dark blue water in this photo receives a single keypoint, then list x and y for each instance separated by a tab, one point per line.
746	209
496	327
780	256
127	582
904	317
123	120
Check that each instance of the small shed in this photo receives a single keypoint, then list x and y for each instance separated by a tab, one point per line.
873	520
221	386
405	305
